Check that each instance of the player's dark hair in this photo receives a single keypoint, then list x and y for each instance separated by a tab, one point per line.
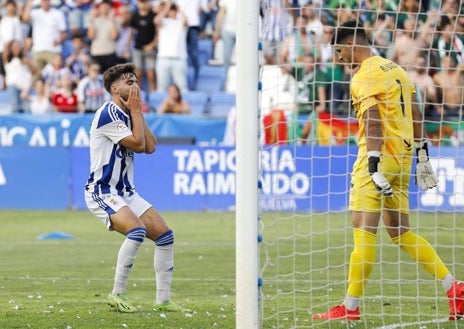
351	28
115	73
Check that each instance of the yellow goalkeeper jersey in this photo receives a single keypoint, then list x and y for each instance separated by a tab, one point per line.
383	83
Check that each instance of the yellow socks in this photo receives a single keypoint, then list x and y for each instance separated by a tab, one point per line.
363	257
361	261
422	252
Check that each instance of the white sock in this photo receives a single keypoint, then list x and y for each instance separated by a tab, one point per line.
164	266
126	257
351	303
447	282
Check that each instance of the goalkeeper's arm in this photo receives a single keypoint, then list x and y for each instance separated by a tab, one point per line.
374	145
425	177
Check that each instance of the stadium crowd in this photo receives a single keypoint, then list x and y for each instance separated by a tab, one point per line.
54	51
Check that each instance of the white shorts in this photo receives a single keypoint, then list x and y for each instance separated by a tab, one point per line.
105	205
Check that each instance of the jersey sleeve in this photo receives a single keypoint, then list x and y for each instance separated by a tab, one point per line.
113	125
364	90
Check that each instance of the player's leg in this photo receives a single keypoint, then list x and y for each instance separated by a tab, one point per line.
127	223
150	66
362	257
396	219
365	205
422	252
114	212
137	59
163	237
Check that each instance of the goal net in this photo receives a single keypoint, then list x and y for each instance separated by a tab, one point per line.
308	147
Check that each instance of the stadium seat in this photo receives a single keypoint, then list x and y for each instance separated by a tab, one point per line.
198	101
5	107
205	51
155	98
221	103
210	84
67	48
211	78
208	71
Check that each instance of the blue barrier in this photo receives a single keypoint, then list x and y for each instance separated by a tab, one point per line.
73	129
35	178
191	178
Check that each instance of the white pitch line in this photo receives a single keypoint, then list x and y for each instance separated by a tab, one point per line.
31	278
405	325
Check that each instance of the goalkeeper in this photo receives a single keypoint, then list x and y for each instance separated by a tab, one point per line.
390	126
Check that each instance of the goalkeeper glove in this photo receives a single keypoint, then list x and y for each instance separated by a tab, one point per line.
425	177
379	180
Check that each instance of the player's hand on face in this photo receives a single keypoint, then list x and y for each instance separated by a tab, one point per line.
133	102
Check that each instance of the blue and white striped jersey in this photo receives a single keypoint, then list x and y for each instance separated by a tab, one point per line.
111	164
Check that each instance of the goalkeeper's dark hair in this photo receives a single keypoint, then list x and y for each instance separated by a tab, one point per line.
352	28
115	73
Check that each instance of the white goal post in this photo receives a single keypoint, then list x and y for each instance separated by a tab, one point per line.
300	207
247	264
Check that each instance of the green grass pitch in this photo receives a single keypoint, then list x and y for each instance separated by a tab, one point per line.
63	283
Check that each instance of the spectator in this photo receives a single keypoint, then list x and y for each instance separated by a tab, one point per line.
226	28
450	9
337	87
311	93
79	16
460	27
103	33
39	100
65	99
78	61
208	13
381	35
125	40
373	9
144	56
174	104
344	12
10	25
297	45
172	47
191	9
48	32
451	85
274	31
10	29
54	72
90	90
338	8
410	10
18	68
425	86
448	43
315	25
407	46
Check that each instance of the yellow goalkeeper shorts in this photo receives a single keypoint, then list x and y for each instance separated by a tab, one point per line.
364	196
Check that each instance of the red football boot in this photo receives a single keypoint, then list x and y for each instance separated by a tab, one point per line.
339	312
456	300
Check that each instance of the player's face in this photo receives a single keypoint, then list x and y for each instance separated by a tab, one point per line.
344	53
124	84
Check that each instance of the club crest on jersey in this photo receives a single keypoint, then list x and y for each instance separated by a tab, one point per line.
122	127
